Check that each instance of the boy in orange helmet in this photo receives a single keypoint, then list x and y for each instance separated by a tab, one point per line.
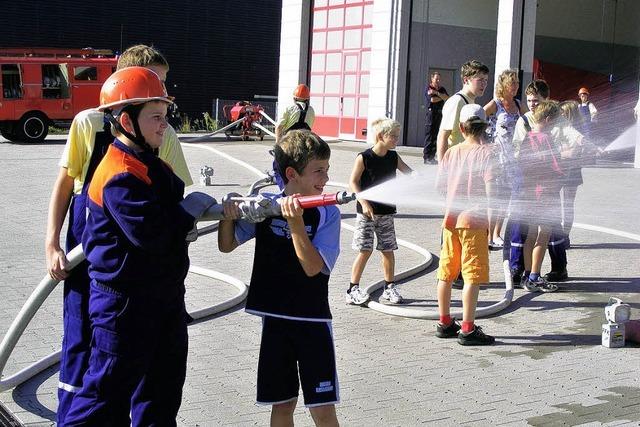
135	242
89	137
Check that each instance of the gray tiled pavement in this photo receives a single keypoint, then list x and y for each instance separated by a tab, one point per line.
547	367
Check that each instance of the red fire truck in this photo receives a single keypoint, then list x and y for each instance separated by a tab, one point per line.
45	86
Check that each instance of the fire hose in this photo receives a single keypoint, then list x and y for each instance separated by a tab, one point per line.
253	208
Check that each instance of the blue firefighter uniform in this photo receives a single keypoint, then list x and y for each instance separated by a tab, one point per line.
134	240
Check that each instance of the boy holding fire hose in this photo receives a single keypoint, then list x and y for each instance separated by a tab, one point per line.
294	255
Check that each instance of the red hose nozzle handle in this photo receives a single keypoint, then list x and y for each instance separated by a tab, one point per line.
326	199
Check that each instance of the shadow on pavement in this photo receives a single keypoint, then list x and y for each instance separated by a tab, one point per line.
26	394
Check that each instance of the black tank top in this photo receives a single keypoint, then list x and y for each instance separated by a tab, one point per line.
279	285
376	171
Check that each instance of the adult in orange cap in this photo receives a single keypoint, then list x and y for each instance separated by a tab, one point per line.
300	115
587	109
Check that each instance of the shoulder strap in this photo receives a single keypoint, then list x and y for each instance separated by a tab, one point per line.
527	125
303	113
101	142
466	101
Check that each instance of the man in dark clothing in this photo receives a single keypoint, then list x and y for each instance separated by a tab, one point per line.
435	95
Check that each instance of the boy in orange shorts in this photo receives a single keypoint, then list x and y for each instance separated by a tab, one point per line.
465	175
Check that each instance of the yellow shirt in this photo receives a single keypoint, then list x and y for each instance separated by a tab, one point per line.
451	117
81	139
520	132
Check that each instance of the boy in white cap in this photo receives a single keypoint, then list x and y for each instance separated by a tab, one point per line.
465	175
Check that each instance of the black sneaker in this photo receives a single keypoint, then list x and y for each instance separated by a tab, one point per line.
556	276
475	337
516	278
450	331
523	282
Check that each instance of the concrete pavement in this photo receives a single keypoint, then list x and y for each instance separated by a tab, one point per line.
546	368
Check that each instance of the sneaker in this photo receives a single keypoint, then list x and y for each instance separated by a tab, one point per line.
356	296
539	285
556	276
475	337
392	295
450	331
496	244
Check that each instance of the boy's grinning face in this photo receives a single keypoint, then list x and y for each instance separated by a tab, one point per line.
313	178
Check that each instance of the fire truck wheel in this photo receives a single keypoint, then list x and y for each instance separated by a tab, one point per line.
33	127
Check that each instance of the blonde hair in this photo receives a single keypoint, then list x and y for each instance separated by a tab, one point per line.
141	55
504	80
546	110
384	126
570	111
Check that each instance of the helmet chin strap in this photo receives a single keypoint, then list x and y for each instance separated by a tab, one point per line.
138	139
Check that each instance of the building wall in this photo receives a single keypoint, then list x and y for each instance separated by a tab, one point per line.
294	49
221	48
594	43
410	38
443	36
599	21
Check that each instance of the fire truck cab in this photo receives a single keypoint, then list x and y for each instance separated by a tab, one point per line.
41	87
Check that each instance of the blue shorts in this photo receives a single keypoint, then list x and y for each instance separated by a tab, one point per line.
292	347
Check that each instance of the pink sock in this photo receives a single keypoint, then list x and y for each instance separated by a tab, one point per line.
467	327
445	320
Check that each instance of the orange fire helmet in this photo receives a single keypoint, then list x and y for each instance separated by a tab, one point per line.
132	85
301	92
583	90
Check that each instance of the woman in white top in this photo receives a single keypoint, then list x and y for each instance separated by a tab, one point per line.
503	112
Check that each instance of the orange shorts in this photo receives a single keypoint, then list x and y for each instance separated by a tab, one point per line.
466	250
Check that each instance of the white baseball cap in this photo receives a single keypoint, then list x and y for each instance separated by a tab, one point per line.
473	113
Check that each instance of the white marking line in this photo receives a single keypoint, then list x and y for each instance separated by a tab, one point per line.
228	157
607	231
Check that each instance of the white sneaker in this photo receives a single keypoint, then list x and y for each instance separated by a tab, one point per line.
357	296
392	295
